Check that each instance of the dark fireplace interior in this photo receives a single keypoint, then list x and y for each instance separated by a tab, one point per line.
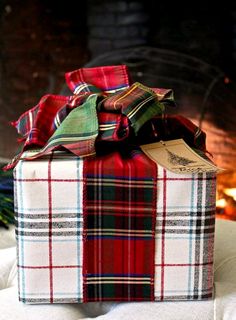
189	48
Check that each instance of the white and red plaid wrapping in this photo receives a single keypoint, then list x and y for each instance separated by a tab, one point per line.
49	206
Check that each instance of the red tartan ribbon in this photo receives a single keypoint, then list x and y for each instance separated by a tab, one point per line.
123	110
120	106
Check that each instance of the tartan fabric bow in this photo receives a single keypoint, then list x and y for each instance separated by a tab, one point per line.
105	106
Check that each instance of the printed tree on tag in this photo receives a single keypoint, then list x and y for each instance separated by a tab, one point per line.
178	160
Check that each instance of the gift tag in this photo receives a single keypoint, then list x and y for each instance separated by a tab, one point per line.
178	157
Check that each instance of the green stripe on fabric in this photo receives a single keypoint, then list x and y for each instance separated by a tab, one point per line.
144	107
81	121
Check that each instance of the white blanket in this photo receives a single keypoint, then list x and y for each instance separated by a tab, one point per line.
223	307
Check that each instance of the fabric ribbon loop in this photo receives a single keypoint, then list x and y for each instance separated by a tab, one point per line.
105	106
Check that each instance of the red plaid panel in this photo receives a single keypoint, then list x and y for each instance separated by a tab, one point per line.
119	229
106	78
36	125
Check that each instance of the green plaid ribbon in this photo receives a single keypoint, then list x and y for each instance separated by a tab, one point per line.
80	128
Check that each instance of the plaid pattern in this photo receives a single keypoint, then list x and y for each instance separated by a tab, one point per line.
49	205
184	236
49	228
101	213
119	228
77	132
53	124
35	125
108	79
138	103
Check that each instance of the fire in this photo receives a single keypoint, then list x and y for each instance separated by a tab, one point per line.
221	203
231	192
226	204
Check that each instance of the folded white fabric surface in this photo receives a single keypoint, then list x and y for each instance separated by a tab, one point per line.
222	307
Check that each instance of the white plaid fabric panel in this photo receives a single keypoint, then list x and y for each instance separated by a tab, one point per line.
184	236
48	206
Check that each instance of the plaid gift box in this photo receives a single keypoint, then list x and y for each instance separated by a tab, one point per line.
50	221
115	227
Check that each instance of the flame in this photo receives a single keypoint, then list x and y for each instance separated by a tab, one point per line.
221	203
231	192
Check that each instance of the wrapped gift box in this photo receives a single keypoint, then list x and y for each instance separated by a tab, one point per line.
115	226
51	242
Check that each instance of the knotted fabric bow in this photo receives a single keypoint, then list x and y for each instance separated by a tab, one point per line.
104	106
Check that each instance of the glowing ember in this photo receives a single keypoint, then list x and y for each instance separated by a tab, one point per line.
221	203
226	204
231	192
